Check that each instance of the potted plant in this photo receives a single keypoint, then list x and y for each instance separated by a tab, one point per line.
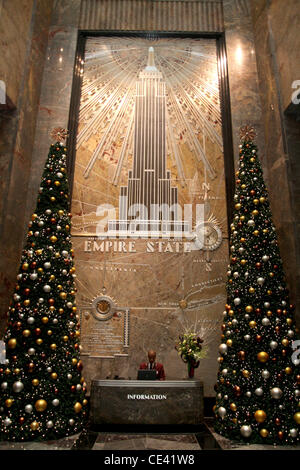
191	351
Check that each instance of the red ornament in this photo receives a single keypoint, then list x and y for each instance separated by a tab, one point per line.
258	338
38	331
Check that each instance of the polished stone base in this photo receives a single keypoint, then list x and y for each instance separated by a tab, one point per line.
143	402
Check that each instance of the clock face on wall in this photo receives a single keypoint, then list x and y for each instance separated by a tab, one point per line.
208	235
150	132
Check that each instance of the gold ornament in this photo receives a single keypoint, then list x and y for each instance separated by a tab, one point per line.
40	405
243	262
26	302
53	346
262	200
53	239
252	324
12	343
77	407
52	199
9	402
26	333
57	183
297	417
249	309
263	356
54	375
288	370
260	416
251	290
264	432
229	342
39	341
74	361
246	373
63	295
34	425
285	342
35	382
238	206
66	338
233	407
45	320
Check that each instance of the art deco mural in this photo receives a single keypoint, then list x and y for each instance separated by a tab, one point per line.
149	203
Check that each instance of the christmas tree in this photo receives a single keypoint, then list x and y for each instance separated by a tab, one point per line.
258	384
42	391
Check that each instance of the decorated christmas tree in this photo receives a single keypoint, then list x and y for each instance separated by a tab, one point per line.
42	391
258	384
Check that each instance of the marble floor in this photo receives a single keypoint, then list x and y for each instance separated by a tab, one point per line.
202	438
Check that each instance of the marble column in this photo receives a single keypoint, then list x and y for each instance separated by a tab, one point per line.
25	38
242	71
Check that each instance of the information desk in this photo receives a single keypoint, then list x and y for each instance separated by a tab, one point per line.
146	402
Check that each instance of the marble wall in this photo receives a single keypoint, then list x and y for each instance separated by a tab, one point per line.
278	44
22	63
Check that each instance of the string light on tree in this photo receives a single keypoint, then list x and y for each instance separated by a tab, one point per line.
42	334
266	388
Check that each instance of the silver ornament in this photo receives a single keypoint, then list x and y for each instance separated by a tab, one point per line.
30	320
64	253
69	304
49	424
41	223
49	369
55	402
54	321
265	321
237	301
69	376
47	265
219	396
17	297
293	432
222	412
36	234
260	281
265	374
235	274
33	276
247	337
18	386
259	392
290	333
65	272
4	385
246	431
223	348
267	304
7	422
297	393
78	387
48	211
224	372
28	409
41	300
47	288
31	351
248	394
250	223
265	258
71	422
276	393
273	344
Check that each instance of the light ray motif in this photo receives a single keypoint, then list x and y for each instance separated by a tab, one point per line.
111	70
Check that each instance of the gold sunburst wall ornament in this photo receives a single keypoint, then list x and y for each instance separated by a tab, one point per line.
247	133
59	134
